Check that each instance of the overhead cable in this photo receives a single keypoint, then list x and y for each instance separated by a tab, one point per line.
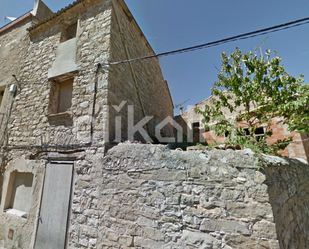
202	46
252	34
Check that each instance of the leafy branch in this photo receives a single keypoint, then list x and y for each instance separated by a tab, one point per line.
254	92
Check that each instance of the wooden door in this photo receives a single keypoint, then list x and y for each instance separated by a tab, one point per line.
55	204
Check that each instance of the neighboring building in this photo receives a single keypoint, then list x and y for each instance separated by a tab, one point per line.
63	108
193	128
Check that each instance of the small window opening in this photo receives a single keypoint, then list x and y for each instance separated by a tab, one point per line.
1	96
196	131
65	95
259	133
71	31
227	133
196	125
19	193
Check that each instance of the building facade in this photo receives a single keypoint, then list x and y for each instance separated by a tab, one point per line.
192	125
64	105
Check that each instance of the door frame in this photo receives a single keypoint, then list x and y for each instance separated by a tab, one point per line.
57	161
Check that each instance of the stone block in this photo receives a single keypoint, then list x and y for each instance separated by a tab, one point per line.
200	240
194	173
89	231
224	226
93	242
264	229
112	235
191	219
156	194
251	210
126	240
123	213
153	234
189	199
245	242
259	177
106	242
259	193
173	200
143	221
212	202
234	195
147	243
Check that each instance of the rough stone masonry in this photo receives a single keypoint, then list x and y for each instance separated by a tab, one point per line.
147	196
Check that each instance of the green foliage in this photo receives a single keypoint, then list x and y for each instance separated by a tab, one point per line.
256	90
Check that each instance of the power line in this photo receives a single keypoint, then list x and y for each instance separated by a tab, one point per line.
244	36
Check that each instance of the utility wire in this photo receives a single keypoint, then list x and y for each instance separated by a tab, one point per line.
244	36
252	34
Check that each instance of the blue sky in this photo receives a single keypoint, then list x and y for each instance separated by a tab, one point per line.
175	24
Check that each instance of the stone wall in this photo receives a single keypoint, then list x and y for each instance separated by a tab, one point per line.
92	47
140	84
288	188
13	46
24	229
34	134
146	196
142	196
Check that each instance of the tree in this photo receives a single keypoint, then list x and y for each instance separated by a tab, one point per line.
256	90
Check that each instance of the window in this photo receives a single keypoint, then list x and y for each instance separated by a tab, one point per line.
2	107
71	31
19	193
1	96
196	131
65	95
68	32
196	125
259	133
60	101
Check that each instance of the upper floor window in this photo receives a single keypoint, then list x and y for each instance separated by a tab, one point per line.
71	31
1	95
60	102
65	95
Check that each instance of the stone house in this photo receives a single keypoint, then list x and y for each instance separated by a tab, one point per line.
192	125
63	107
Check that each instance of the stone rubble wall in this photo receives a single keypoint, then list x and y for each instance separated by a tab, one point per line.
150	85
98	41
24	229
29	120
13	46
288	188
147	196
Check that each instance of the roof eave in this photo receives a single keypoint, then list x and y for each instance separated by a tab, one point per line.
16	22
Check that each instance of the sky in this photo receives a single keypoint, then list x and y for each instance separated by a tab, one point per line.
175	24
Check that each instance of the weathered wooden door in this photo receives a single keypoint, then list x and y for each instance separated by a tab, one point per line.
55	204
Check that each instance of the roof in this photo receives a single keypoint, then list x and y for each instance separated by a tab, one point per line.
58	13
63	10
16	21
